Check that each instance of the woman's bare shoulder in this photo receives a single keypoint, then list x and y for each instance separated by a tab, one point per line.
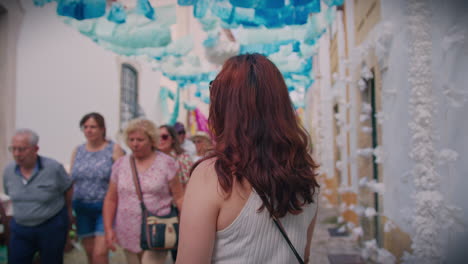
205	171
204	177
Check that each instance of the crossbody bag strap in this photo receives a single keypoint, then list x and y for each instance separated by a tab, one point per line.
136	182
285	235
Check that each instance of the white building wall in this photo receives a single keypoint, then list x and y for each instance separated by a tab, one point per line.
450	68
10	22
326	144
449	64
353	109
398	204
63	75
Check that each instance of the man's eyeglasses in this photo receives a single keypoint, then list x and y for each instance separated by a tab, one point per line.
164	136
181	132
19	149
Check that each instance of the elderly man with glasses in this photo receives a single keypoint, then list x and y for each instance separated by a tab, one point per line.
40	191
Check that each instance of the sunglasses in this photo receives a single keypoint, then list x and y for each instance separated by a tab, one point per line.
181	132
164	136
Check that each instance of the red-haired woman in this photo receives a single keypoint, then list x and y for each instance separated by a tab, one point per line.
259	170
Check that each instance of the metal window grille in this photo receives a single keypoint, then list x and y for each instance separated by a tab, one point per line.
128	95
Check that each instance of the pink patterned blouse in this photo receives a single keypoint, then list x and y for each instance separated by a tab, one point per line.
185	163
156	195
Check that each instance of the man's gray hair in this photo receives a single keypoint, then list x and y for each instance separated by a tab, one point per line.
33	136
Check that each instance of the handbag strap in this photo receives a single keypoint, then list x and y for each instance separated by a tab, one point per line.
136	182
285	235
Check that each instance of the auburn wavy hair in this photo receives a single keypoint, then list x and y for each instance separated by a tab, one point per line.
258	136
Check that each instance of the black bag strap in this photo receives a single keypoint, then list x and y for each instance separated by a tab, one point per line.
136	182
285	235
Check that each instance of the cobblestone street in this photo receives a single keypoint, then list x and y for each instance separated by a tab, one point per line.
341	249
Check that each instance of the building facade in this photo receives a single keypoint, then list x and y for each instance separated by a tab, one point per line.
384	122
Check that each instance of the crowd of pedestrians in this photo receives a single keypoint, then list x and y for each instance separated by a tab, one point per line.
98	195
242	191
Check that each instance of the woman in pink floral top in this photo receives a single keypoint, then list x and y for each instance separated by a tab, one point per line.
160	187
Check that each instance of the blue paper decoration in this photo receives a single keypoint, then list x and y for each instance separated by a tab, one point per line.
138	32
189	107
81	9
270	4
144	7
200	8
301	2
331	3
211	41
41	2
175	112
117	13
255	13
315	29
186	2
244	3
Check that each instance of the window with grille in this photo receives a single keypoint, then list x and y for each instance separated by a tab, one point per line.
128	95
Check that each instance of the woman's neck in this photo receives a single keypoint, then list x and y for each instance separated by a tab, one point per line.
145	158
167	152
95	144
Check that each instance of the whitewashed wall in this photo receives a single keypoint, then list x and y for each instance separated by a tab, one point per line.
63	75
448	95
10	22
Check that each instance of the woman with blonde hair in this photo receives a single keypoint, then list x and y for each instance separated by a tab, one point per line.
260	178
159	186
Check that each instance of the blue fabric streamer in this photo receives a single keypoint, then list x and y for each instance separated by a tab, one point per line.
175	112
162	102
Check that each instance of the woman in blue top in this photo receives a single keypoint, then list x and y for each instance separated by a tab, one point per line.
91	169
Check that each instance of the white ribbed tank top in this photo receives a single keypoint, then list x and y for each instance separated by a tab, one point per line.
253	237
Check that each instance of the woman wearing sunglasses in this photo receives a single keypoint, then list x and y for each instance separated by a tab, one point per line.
170	145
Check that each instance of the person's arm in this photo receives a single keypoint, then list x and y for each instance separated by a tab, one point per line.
68	203
117	152
64	184
177	191
199	218
310	233
108	212
5	185
72	161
